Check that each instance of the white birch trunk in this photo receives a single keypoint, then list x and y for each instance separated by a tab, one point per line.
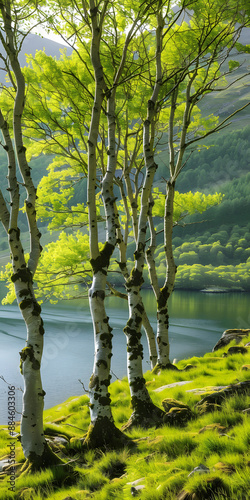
32	436
99	395
150	336
143	408
100	379
122	244
102	430
33	441
166	291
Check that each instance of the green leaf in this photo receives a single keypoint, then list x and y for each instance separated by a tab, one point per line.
233	64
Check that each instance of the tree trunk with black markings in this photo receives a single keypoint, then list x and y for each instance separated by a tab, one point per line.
102	430
36	451
145	413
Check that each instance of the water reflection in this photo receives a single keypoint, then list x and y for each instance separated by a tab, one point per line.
196	322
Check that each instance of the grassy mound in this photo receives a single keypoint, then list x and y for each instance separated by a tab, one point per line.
162	463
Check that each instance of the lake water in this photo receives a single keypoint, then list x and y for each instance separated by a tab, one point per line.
197	321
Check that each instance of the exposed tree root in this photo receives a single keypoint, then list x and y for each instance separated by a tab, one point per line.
103	434
40	462
168	366
145	415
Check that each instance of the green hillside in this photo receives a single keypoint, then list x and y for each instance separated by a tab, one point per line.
209	247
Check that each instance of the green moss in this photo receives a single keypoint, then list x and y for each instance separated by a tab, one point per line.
104	434
94	381
145	413
39	462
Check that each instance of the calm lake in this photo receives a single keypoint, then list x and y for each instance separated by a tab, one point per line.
197	321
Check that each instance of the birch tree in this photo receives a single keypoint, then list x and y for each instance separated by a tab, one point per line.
203	72
99	258
102	429
144	411
34	445
203	47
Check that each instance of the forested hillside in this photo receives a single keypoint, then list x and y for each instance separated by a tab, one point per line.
220	240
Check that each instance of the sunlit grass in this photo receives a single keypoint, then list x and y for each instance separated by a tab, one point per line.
163	457
93	480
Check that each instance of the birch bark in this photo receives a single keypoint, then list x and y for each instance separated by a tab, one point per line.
144	411
100	411
165	292
33	440
122	244
102	431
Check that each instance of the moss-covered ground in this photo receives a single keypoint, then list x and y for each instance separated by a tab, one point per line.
162	458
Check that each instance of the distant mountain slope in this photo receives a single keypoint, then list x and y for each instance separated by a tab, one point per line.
34	42
31	44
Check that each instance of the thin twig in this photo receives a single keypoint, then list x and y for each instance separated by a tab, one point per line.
85	390
10	385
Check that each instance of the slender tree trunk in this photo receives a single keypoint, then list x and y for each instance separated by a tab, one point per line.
102	431
100	411
144	411
34	445
140	399
166	291
150	336
122	243
33	441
